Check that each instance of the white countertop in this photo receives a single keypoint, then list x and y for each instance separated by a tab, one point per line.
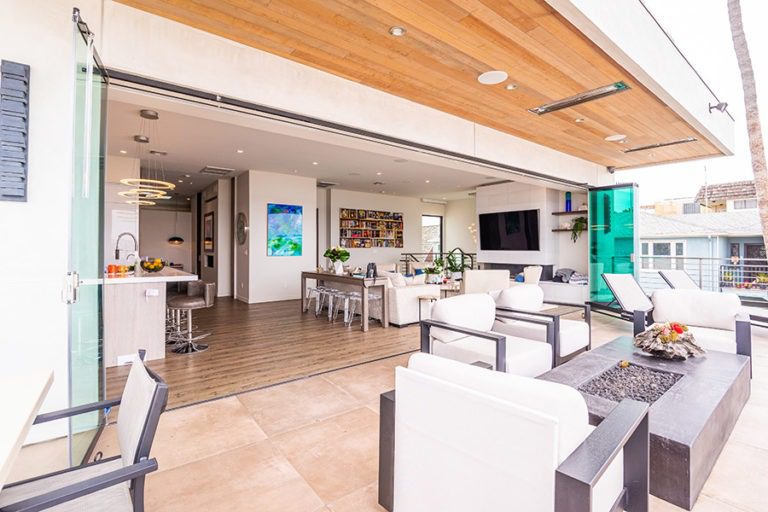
167	275
20	401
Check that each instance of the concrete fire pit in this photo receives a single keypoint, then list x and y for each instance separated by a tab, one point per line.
689	423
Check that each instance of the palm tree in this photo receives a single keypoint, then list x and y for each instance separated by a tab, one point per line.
754	130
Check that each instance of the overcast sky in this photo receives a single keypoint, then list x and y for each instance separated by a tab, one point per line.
701	30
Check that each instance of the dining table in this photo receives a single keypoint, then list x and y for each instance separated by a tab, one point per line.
23	395
365	284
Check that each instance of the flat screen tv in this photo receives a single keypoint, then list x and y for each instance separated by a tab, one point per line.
510	231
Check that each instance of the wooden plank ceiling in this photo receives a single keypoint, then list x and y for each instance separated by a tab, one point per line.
447	45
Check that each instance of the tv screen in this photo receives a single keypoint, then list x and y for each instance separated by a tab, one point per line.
510	231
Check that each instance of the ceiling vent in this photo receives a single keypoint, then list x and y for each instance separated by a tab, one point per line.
661	145
578	99
326	184
216	171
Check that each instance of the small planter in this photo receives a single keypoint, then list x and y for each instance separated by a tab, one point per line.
338	267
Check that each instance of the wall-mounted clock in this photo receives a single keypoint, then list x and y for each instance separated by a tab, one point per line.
241	230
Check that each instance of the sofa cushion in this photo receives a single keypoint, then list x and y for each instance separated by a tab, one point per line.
483	281
720	340
472	311
396	279
697	307
574	334
416	279
557	400
528	297
524	357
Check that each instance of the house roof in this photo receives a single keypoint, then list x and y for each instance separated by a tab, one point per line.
725	191
736	223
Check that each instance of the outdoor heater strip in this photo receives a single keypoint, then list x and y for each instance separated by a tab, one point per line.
14	130
578	99
323	125
661	145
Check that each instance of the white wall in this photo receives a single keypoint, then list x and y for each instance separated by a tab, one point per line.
273	278
460	225
119	216
411	207
34	235
323	220
157	226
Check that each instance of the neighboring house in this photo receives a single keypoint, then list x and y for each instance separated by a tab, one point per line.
693	242
728	197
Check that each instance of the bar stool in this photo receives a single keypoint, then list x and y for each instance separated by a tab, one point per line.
355	300
316	293
200	295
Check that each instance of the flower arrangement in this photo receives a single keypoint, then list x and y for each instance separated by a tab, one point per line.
337	253
670	340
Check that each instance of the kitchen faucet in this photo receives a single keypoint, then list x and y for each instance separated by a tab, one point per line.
135	245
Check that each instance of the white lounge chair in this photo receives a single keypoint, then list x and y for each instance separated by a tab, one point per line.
717	321
679	280
456	438
569	337
461	328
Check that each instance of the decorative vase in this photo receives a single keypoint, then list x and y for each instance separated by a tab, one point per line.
338	267
456	276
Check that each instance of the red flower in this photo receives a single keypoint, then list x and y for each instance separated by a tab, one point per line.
678	328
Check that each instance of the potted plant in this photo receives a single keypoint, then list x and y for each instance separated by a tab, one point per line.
434	270
454	262
578	226
338	255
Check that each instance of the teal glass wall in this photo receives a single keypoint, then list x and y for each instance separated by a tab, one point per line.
613	237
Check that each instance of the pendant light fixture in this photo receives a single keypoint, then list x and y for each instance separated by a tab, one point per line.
176	239
152	185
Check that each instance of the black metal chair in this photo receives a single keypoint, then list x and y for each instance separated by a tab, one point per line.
115	484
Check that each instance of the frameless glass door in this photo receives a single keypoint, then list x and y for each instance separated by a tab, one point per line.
86	243
613	240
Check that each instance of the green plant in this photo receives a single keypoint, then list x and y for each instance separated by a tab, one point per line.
578	226
455	261
336	254
436	268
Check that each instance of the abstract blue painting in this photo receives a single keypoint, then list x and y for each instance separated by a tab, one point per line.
284	223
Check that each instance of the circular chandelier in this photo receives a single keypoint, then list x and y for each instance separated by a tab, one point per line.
142	193
141	202
144	183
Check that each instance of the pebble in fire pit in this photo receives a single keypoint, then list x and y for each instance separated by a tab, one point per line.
634	381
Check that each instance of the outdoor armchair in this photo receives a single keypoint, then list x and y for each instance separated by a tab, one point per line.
517	305
115	484
455	437
461	328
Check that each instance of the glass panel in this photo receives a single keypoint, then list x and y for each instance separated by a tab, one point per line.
86	253
661	249
431	234
613	241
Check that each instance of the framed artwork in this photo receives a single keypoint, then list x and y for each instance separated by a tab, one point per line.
208	232
284	225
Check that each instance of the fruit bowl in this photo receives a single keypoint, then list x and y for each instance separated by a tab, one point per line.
152	265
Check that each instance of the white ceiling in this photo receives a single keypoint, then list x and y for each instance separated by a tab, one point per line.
194	141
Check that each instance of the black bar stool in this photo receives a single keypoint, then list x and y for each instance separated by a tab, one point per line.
200	295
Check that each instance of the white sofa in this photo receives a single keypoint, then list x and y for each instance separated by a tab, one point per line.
569	337
468	439
461	328
714	319
484	281
404	296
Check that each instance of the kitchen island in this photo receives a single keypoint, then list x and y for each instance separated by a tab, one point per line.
134	314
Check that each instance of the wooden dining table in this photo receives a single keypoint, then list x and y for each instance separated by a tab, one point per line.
364	283
20	401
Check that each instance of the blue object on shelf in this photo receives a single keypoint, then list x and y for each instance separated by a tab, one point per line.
568	201
519	278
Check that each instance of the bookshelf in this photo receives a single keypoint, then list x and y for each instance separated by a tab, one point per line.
366	229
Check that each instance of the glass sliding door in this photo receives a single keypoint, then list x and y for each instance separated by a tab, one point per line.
85	279
613	236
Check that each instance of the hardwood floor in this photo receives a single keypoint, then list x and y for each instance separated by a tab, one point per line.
257	345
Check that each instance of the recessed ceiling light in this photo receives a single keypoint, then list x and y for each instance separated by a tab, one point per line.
314	163
187	176
123	152
240	151
616	137
295	171
579	120
510	87
445	198
181	181
426	181
378	174
397	31
492	77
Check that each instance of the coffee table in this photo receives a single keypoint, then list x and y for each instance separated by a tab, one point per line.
689	424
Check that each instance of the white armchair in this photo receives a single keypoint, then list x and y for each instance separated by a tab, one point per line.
461	329
569	337
463	438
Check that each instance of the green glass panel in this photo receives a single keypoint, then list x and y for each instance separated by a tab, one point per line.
613	238
86	242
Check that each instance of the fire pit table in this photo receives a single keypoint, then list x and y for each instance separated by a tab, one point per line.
689	422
